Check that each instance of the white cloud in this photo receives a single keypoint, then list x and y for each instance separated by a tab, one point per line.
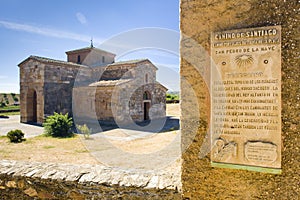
81	18
45	31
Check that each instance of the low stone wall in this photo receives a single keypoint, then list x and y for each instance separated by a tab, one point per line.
23	180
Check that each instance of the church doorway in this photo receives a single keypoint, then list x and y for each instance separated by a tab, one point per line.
147	103
146	110
32	106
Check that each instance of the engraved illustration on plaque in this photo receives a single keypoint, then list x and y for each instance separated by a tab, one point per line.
223	150
244	60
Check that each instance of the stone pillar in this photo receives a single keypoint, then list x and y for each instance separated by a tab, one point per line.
40	105
23	114
200	178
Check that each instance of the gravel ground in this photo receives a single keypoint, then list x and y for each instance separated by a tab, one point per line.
13	122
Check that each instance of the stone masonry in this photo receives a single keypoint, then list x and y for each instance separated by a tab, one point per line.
23	180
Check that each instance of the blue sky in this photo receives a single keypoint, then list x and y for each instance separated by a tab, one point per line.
49	28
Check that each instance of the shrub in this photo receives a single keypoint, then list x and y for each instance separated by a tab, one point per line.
58	125
15	136
15	99
2	104
84	129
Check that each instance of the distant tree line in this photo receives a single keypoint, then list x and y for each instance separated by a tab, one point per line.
172	97
4	100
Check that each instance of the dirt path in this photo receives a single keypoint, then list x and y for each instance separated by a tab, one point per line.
13	122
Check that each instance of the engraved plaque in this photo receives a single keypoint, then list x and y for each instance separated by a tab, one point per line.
246	97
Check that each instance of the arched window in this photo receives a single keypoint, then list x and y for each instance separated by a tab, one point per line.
146	78
146	96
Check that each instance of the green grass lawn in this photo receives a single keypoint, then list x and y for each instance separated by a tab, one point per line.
9	113
172	97
9	108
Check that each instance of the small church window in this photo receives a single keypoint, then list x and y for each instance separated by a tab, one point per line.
146	96
108	106
146	78
78	59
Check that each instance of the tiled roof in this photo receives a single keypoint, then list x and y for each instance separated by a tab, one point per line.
87	48
110	82
81	49
49	60
158	83
131	62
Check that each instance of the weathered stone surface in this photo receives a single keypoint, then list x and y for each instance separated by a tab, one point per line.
11	184
48	181
31	192
198	20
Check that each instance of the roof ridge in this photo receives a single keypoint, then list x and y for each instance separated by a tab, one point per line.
130	61
46	59
110	82
89	48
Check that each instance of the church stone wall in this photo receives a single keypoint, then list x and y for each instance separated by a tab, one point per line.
157	102
198	19
59	78
91	57
31	81
103	103
145	69
116	72
73	57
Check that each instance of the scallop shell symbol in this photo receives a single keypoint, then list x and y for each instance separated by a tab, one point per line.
244	60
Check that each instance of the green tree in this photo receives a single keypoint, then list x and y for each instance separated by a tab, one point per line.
15	99
2	104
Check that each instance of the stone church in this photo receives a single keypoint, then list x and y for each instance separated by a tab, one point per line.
90	84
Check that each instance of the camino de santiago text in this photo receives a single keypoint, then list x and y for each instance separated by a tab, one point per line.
249	37
247	34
